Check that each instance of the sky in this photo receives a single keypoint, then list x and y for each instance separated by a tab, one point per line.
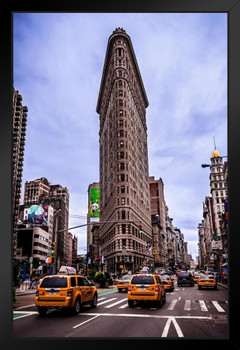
58	61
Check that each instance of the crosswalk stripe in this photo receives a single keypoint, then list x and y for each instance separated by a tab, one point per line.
203	305
123	306
117	302
218	307
106	301
172	305
187	305
101	299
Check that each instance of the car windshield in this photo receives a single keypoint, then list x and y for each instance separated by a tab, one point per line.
54	282
125	278
143	280
182	274
208	276
165	278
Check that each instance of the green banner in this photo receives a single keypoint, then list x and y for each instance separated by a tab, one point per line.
94	202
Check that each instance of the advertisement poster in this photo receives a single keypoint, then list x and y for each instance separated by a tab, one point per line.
94	204
38	215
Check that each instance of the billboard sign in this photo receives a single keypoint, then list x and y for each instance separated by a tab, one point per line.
94	204
217	245
38	215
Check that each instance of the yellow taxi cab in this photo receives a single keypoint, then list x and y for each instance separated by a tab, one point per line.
146	287
123	282
167	282
207	281
196	277
65	290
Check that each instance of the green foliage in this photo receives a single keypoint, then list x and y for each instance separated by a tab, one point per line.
91	274
82	260
102	277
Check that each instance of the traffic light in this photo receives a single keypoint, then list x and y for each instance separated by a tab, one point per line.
140	228
53	246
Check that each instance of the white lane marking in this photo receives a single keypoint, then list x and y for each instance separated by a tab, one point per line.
24	314
166	328
106	301
147	316
187	305
172	305
218	307
78	325
177	289
203	305
179	298
101	299
123	306
22	307
117	302
183	289
178	329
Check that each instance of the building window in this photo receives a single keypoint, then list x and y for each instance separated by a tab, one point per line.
121	122
121	143
123	200
121	133
122	189
120	102
123	228
120	92
123	214
121	155
122	177
121	113
122	166
120	83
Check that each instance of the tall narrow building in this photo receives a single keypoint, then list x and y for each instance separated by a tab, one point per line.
124	174
19	134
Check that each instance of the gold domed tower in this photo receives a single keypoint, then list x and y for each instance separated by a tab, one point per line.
215	154
218	192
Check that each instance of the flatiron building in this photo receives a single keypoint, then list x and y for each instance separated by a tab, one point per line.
124	173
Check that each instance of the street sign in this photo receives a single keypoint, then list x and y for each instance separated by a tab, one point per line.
216	238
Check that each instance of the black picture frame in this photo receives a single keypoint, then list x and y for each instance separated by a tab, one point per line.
232	8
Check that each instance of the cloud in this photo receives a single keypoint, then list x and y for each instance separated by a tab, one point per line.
58	62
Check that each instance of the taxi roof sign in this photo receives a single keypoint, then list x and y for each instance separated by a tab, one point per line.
67	270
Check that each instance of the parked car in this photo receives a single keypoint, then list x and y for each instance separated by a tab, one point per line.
69	291
206	281
146	287
185	278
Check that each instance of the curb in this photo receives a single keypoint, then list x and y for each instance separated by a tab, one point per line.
222	285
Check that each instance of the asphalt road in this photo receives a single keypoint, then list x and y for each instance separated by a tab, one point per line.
187	313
